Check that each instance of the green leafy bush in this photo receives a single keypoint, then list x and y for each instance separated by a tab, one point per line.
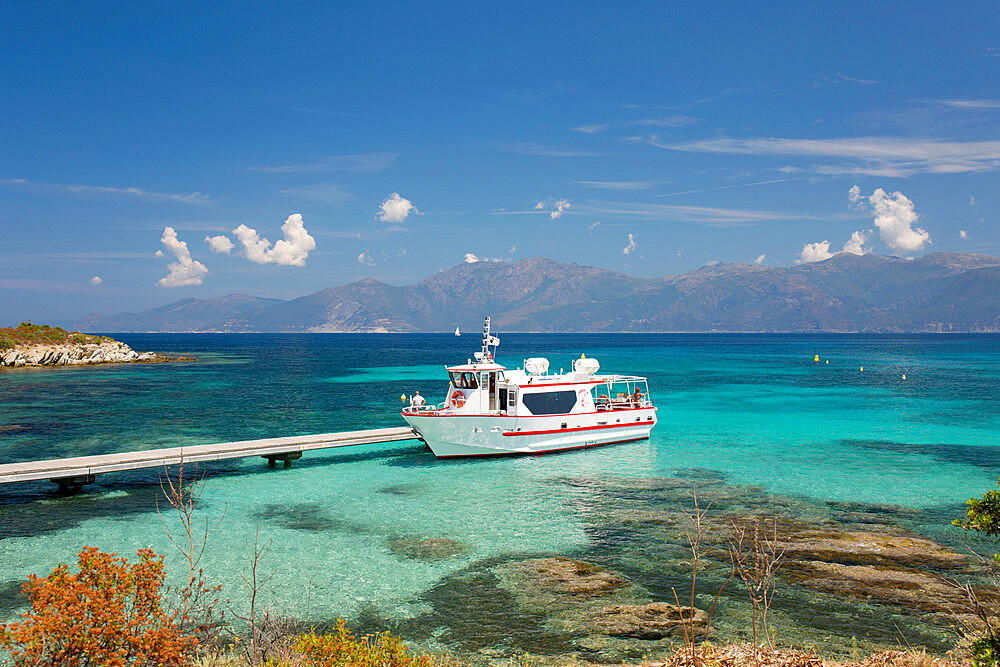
6	343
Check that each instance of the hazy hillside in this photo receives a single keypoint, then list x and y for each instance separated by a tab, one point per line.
941	291
184	315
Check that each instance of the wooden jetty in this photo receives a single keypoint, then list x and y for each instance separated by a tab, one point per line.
72	473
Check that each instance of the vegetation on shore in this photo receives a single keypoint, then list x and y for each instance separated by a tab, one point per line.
27	333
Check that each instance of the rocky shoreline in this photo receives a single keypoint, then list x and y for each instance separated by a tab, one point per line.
107	351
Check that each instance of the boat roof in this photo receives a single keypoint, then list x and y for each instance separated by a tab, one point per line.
464	368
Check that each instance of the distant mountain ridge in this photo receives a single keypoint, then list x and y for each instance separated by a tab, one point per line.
846	293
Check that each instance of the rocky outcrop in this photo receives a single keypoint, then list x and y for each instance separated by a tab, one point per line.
76	354
654	620
571	577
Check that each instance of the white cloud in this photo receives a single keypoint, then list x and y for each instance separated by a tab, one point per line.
894	217
595	225
970	104
814	252
972	200
760	259
560	206
158	253
539	206
395	208
185	271
854	194
220	245
630	248
97	280
473	258
962	234
513	248
819	251
856	244
366	259
289	251
191	198
880	156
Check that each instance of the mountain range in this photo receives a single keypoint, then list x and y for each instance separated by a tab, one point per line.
944	291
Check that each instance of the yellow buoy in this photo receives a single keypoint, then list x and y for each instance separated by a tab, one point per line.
403	398
816	358
904	376
827	361
862	368
583	356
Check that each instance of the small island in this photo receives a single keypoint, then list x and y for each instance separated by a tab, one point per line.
42	345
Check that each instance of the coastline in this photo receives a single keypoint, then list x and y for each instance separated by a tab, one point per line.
32	345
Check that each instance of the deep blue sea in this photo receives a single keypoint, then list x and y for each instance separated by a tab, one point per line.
751	422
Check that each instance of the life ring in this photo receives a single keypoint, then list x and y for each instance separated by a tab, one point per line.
457	400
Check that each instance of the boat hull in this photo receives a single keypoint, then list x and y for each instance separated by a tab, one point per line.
493	435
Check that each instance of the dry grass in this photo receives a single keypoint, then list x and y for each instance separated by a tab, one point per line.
744	655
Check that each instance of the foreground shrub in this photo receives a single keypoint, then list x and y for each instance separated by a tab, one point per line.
341	648
109	614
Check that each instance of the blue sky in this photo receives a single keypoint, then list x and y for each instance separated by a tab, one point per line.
395	140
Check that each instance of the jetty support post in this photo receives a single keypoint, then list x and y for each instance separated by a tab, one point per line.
287	458
72	485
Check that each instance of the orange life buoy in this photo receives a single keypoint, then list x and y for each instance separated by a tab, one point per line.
457	400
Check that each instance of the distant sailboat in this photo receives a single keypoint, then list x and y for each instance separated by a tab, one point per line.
457	332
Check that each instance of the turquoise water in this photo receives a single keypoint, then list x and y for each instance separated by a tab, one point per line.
755	413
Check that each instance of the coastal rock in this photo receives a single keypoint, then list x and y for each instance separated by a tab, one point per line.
912	588
858	547
75	354
426	549
572	577
654	620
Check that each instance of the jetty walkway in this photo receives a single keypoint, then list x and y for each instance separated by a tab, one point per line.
72	473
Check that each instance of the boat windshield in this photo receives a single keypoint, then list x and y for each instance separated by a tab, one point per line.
466	380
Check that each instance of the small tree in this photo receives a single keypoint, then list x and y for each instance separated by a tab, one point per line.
982	516
109	614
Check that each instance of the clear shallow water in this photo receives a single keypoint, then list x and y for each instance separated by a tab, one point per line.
754	411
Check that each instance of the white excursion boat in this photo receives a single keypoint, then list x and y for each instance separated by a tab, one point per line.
493	410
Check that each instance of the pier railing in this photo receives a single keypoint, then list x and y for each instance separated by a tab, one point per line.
73	473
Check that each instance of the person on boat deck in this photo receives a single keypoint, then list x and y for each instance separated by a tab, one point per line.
637	396
417	400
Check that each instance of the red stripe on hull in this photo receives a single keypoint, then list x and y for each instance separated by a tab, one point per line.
547	451
577	428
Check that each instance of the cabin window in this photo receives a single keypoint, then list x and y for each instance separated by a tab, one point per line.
550	402
464	380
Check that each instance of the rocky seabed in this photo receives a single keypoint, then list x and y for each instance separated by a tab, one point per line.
73	355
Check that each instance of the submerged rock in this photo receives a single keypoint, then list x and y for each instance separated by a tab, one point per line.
654	620
427	549
860	547
911	588
572	577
